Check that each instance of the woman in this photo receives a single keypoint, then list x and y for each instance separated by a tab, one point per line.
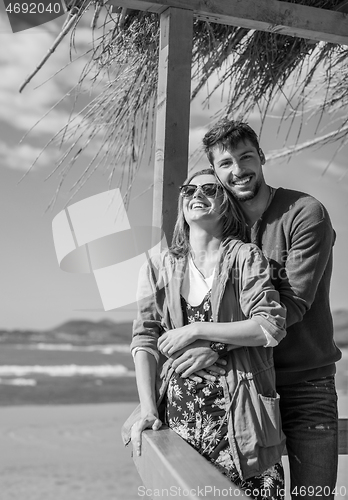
213	287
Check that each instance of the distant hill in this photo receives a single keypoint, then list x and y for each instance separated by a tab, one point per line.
74	332
109	332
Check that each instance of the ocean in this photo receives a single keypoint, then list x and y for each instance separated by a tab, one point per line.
65	373
51	373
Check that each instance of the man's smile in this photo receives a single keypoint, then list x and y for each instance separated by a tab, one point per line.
242	182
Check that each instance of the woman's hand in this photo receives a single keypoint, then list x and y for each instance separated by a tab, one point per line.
150	421
174	340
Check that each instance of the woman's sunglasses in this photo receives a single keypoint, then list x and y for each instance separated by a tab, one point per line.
211	190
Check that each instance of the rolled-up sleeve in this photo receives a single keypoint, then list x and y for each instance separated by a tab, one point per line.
154	353
146	337
258	298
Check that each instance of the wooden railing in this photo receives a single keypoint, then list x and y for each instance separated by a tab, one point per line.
169	467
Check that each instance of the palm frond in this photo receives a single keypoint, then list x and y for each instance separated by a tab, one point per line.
256	67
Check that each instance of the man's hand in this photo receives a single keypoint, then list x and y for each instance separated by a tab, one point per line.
193	361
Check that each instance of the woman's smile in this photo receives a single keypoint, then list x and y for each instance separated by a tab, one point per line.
197	204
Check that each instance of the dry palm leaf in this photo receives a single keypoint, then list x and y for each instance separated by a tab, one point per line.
255	66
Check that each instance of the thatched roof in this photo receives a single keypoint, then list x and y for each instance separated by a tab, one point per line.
255	66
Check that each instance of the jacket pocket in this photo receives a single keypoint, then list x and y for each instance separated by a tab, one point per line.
270	421
256	418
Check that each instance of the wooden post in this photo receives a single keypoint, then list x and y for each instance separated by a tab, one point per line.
173	115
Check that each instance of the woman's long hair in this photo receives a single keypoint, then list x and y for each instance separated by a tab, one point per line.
233	222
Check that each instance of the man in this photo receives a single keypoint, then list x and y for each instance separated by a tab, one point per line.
294	231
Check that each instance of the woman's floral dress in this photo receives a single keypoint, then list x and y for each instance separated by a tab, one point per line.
196	411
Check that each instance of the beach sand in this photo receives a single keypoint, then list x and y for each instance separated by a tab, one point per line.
67	452
75	452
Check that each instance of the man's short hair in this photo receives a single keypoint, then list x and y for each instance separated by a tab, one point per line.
228	134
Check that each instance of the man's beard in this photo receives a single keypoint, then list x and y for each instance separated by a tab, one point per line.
248	196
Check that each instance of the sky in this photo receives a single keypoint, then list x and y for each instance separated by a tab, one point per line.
35	292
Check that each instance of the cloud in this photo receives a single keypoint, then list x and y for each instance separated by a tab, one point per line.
22	112
22	156
23	53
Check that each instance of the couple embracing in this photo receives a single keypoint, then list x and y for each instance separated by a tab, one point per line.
233	344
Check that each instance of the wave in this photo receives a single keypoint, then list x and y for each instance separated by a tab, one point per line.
66	371
18	381
102	348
